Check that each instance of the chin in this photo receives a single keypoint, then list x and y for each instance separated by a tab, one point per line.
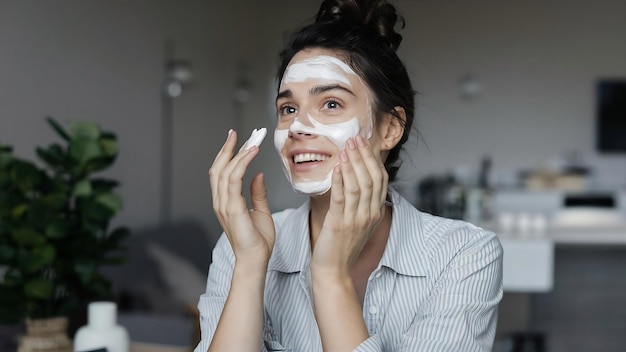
313	188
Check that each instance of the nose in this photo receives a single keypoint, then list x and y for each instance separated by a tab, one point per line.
298	129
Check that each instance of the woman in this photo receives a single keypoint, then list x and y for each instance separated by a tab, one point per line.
355	268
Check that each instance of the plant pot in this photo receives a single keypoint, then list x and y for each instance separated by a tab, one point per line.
45	335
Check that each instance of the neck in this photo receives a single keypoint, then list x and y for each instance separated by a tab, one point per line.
319	208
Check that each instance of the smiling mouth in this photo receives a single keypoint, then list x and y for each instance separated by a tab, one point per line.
309	158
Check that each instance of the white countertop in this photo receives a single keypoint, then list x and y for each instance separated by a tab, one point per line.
571	235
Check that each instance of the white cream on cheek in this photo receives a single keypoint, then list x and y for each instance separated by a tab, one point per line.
336	133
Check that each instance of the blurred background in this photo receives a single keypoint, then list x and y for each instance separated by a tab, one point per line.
511	133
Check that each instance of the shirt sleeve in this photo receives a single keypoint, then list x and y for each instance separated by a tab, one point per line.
461	314
212	301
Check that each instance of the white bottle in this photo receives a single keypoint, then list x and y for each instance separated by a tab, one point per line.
102	330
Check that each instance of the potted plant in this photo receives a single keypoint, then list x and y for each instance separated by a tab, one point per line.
54	226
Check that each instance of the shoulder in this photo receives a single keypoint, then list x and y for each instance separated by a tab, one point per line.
441	231
457	239
432	230
437	240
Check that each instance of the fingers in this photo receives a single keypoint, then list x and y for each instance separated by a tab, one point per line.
230	181
337	197
226	176
357	152
365	180
377	172
221	160
258	194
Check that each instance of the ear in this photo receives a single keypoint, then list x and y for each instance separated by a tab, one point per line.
391	129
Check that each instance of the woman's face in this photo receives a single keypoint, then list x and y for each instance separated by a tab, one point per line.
321	103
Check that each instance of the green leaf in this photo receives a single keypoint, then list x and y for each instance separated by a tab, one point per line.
39	288
108	143
95	211
110	200
83	149
60	185
5	159
100	163
86	271
9	294
54	201
119	234
5	148
54	156
25	175
18	210
40	213
58	128
28	237
103	185
85	129
58	229
7	253
82	188
13	277
38	258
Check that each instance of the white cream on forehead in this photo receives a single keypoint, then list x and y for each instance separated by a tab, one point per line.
322	67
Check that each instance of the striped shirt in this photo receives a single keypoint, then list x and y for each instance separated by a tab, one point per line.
436	288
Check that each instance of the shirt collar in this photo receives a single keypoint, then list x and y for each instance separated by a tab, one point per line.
405	252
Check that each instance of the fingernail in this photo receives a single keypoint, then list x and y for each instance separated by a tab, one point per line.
360	141
343	156
230	131
351	144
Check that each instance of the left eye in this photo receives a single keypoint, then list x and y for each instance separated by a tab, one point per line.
331	104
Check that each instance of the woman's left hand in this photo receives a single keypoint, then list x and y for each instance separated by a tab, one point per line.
357	204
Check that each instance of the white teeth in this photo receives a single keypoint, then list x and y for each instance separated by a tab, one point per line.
300	158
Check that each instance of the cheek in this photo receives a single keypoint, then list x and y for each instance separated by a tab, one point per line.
280	136
366	125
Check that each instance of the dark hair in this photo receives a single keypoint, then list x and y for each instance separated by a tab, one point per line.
363	31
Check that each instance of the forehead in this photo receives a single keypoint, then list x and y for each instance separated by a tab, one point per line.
318	64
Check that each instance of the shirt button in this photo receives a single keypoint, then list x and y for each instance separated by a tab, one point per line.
373	310
378	274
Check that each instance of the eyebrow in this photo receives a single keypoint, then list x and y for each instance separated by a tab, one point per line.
317	90
321	89
284	94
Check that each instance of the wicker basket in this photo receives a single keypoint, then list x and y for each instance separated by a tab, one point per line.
45	335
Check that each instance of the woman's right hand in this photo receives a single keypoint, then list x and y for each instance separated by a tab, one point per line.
251	232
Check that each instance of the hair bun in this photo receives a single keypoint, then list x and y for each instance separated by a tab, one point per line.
377	15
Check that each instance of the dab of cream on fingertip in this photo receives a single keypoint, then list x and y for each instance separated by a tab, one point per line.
256	138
